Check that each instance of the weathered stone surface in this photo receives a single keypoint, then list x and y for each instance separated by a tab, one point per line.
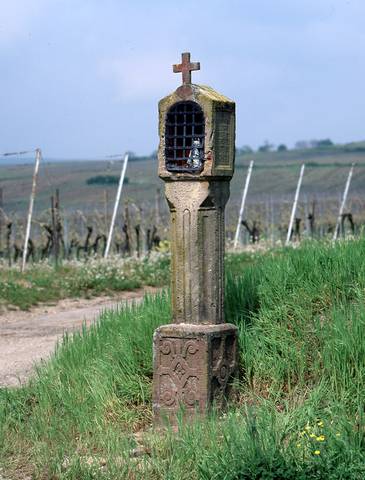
195	358
194	366
219	149
197	244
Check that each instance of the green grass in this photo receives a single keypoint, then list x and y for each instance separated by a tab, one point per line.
44	282
299	411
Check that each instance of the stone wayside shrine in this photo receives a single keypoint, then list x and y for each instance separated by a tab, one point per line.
195	357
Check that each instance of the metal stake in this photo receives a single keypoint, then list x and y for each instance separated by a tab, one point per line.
294	208
244	195
121	180
38	156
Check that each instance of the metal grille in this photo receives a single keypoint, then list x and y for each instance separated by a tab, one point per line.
184	124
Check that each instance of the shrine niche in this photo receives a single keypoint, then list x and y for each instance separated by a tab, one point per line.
185	131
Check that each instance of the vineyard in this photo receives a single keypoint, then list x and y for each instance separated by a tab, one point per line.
75	199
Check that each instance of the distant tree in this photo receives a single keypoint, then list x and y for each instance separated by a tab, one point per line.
326	142
244	150
131	154
105	180
266	147
302	144
282	148
313	143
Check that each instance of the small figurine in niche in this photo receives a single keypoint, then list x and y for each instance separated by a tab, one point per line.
194	159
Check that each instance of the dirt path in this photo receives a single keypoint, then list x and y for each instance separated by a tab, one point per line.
28	337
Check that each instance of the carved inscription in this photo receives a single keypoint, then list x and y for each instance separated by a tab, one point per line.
224	139
178	372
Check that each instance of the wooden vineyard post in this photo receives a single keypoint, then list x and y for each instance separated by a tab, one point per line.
243	202
127	231
137	229
53	222
117	198
65	236
295	203
343	203
306	216
58	225
55	203
38	155
8	241
157	208
106	201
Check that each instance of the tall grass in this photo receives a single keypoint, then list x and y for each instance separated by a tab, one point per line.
299	412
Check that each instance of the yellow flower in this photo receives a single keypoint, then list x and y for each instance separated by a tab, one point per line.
299	445
317	452
321	438
320	423
338	434
312	435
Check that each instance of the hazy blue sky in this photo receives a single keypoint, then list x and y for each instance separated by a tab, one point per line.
83	77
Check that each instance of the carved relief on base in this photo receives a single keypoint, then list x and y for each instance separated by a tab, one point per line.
224	364
193	367
179	372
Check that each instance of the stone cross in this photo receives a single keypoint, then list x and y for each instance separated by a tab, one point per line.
195	357
186	67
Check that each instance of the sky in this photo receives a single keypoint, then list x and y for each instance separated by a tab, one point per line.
82	78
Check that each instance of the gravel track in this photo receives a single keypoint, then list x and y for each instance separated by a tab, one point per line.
27	338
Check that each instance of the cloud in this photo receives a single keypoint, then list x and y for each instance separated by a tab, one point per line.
140	76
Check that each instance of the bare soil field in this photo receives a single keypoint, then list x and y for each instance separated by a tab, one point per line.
27	338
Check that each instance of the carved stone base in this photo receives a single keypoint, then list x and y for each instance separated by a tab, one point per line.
194	366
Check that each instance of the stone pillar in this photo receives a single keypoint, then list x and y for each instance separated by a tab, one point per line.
195	357
197	247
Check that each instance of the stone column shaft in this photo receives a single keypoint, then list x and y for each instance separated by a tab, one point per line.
197	243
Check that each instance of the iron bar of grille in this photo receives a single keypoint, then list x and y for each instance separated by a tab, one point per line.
184	123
